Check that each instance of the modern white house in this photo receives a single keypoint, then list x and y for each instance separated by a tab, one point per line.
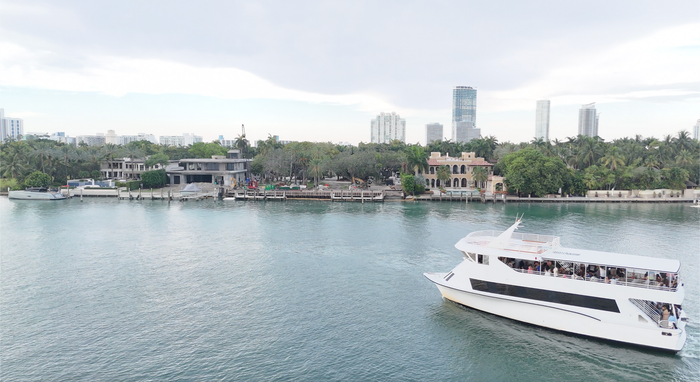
229	170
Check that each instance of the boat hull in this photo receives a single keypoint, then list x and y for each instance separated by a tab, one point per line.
29	195
562	319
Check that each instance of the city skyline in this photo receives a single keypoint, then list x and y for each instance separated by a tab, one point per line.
86	71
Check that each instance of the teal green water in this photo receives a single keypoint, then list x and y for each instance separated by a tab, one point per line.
131	291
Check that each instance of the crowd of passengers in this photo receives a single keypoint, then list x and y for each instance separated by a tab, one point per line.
591	273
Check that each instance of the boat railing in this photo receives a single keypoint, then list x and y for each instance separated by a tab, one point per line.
634	283
649	308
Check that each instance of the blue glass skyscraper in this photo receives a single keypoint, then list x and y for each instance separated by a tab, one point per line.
464	114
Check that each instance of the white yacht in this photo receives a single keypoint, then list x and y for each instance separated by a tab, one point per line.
533	279
35	193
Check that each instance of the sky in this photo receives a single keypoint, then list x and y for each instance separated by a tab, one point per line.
321	70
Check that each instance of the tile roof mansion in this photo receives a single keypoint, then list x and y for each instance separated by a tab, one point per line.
461	170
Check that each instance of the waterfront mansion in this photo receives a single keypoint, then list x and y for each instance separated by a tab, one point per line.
461	171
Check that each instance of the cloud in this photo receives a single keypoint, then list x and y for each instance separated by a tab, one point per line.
659	66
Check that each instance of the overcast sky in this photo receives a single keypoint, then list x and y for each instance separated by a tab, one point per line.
320	70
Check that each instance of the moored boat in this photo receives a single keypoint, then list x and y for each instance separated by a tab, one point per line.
533	279
35	193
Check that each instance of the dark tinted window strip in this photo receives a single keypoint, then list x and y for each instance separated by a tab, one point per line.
590	302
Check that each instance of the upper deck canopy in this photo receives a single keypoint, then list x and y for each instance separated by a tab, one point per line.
544	247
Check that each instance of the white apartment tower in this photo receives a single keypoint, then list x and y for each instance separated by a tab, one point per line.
180	140
10	127
433	132
388	127
588	120
696	130
542	120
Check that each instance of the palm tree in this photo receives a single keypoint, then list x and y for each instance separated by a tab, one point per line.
43	150
95	155
443	174
683	141
684	158
588	151
242	144
66	152
133	153
417	159
14	166
614	159
480	175
110	150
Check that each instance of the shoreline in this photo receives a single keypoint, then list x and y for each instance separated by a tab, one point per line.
432	199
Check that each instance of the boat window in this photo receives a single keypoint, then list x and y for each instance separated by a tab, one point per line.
483	259
583	301
470	255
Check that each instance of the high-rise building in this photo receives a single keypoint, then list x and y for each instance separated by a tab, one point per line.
464	114
588	120
14	127
10	127
112	137
180	140
91	140
542	120
696	130
433	132
388	127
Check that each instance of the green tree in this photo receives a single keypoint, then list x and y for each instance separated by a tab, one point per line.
408	184
443	174
613	159
481	175
157	159
38	179
154	178
10	183
133	152
13	166
206	150
528	171
43	150
416	159
675	177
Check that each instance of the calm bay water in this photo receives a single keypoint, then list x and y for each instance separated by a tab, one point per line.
126	290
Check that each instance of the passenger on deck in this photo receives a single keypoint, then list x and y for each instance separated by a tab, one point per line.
664	314
556	271
529	269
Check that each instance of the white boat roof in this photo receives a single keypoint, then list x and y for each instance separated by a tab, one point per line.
538	247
